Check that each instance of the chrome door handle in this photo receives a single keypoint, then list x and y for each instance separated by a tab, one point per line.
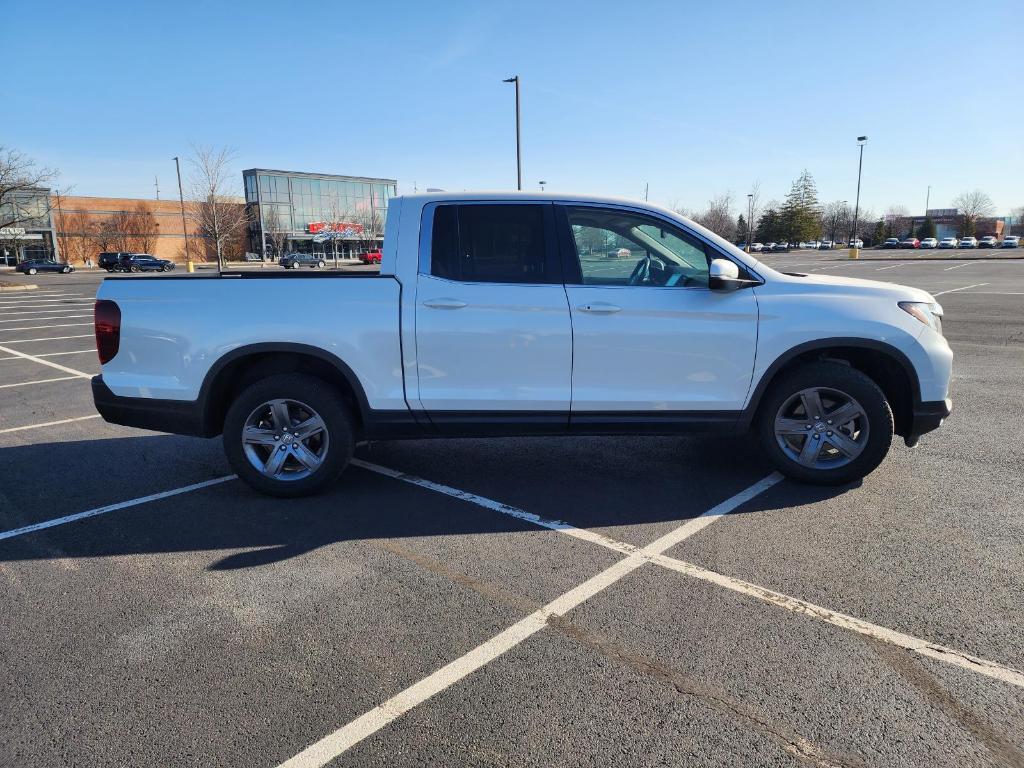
444	303
599	308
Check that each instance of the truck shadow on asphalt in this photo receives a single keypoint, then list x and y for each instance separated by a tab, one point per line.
587	482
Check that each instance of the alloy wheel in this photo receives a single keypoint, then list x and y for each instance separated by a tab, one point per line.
821	428
285	439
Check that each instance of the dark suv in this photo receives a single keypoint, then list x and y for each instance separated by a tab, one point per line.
143	262
111	260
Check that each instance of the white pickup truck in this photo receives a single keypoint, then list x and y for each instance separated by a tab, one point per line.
525	314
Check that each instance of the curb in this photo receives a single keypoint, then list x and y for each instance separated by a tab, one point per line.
18	287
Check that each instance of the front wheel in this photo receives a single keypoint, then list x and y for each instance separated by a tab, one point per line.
825	424
32	270
320	264
288	435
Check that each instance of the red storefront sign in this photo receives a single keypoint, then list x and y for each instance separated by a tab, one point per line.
314	227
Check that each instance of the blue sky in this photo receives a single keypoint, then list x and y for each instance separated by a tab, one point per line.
694	99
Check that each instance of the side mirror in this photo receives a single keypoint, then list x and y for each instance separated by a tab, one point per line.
724	275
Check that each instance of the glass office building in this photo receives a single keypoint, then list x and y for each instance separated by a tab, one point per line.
315	212
33	235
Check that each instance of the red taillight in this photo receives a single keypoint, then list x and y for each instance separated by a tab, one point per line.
108	329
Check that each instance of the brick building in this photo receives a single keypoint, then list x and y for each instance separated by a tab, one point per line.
86	226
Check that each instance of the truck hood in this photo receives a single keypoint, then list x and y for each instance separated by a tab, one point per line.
855	286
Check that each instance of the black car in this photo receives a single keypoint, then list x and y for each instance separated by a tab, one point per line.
111	260
32	266
295	260
143	262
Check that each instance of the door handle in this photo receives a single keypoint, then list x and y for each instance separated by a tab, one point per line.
444	303
600	308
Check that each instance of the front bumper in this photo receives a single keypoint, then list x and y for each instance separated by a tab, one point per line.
927	416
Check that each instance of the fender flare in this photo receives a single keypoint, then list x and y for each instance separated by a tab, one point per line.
854	342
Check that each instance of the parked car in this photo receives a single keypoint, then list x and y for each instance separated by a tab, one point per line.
826	245
929	242
949	242
111	260
757	247
371	257
820	370
988	241
32	266
1011	241
296	260
891	242
143	262
910	242
856	242
968	242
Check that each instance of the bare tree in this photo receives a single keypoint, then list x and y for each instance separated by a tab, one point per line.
219	216
73	232
835	218
897	221
19	177
144	227
973	206
274	230
718	217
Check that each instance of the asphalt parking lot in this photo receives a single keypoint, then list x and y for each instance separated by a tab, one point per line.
531	602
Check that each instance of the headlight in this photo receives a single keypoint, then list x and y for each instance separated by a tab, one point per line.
928	312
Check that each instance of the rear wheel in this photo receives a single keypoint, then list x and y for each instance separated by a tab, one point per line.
288	435
825	424
32	270
134	268
320	264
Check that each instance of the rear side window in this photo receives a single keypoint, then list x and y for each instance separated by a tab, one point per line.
491	244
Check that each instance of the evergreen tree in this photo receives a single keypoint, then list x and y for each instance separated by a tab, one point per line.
880	232
741	228
801	213
769	226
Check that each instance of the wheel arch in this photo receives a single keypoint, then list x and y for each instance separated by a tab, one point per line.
245	365
883	363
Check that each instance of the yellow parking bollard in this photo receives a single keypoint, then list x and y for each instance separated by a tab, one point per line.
190	266
855	253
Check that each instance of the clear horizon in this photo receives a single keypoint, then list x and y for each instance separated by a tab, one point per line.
694	103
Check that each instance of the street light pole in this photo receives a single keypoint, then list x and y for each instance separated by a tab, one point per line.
542	183
927	200
519	156
750	219
854	251
184	228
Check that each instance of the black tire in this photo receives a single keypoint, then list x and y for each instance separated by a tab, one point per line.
134	268
320	265
319	396
844	379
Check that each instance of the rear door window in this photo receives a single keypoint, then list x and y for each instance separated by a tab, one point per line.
494	243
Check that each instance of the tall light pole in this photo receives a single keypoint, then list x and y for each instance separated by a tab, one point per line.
519	156
854	252
927	200
542	183
184	228
750	219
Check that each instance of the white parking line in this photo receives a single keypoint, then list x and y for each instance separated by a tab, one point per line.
38	327
334	744
964	288
793	604
861	627
68	308
33	358
894	266
48	424
36	319
965	264
111	507
39	381
49	338
54	354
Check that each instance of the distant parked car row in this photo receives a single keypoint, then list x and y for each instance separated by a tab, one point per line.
121	261
1009	241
